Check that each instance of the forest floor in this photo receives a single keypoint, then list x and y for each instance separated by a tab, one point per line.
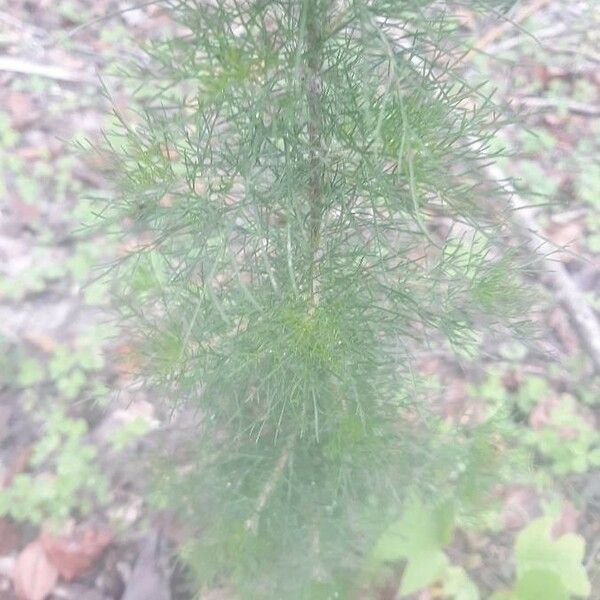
64	387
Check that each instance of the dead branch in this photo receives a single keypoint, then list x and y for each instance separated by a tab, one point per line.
252	522
17	65
486	40
567	292
577	108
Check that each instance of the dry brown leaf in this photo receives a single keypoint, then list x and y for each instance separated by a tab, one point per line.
18	465
136	411
561	325
520	505
127	361
35	576
566	521
23	211
41	340
21	109
544	415
512	380
430	365
5	416
565	235
9	537
459	407
75	554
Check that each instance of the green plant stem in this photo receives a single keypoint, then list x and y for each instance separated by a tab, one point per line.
316	15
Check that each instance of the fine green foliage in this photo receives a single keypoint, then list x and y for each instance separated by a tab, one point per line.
547	567
277	189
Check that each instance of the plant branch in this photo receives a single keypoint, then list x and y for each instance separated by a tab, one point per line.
252	522
577	108
17	65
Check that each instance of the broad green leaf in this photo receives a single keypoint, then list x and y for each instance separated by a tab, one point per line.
421	530
418	537
421	570
503	595
537	551
535	585
30	372
587	183
458	585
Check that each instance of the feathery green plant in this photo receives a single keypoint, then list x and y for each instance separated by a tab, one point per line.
280	183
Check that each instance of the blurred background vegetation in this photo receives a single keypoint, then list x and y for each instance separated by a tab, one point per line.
74	428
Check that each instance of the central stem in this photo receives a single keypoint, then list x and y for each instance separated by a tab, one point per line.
315	18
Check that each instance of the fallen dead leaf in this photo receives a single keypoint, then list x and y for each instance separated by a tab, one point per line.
76	553
542	414
136	410
567	520
127	361
24	211
41	340
75	591
5	416
429	365
9	537
34	576
565	235
563	329
18	465
149	579
520	505
511	380
541	74
459	407
21	109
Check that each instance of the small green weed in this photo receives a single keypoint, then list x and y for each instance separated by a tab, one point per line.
68	481
568	441
419	538
547	568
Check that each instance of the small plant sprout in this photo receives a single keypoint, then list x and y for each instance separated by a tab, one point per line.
301	192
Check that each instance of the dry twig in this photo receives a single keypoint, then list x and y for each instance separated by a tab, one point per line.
18	65
486	40
252	522
577	108
567	292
